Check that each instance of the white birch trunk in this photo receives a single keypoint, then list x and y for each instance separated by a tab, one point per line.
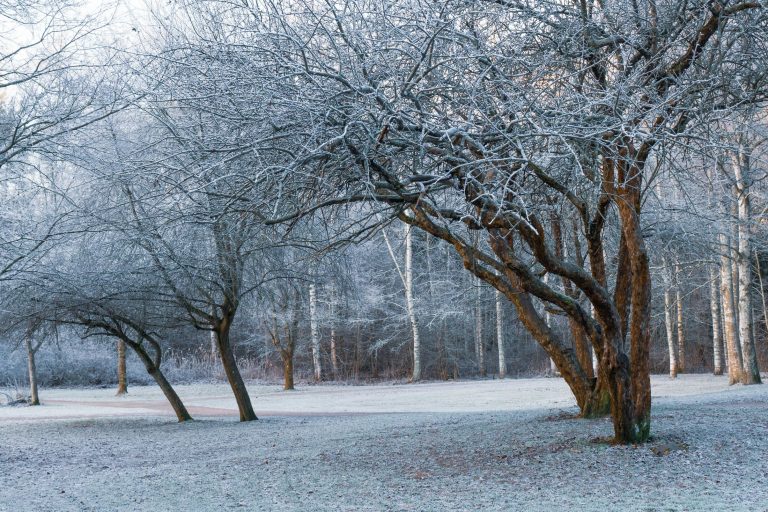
314	333
500	336
730	326
669	322
334	358
751	371
406	276
31	369
411	304
714	305
680	331
479	349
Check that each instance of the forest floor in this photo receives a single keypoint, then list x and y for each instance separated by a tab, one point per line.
470	445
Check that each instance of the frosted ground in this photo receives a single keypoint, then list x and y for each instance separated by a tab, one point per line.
478	445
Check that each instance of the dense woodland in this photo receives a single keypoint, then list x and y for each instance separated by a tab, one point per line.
365	189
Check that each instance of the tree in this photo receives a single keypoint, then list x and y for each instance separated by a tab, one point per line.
498	130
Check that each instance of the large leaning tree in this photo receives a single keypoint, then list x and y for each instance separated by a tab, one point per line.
524	134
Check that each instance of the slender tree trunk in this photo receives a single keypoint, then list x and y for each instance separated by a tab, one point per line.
287	357
714	306
233	373
751	371
479	348
500	336
410	304
334	356
122	378
680	316
214	348
730	326
669	323
170	394
762	290
31	369
314	334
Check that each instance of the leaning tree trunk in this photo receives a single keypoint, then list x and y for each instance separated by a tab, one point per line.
232	372
680	316
751	371
730	328
170	394
714	306
122	378
314	333
500	336
31	369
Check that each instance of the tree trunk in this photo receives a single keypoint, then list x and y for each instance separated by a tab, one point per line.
232	372
479	348
334	355
314	334
714	305
669	325
287	356
751	371
680	330
730	328
122	378
633	423
170	394
410	304
500	336
31	369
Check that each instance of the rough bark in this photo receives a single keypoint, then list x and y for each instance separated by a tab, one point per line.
287	357
232	372
122	378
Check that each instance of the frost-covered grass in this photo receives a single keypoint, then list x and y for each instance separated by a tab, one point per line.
489	445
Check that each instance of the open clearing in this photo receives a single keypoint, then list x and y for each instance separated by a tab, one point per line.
473	445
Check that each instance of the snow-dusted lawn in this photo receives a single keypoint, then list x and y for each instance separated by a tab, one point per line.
479	445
